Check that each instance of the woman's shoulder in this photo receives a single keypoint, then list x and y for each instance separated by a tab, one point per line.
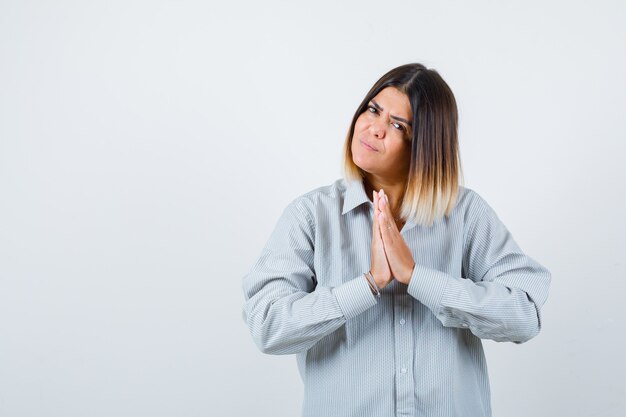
330	193
475	209
471	207
334	189
324	198
469	199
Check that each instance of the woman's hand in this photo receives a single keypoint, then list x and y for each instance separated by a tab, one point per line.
380	269
398	253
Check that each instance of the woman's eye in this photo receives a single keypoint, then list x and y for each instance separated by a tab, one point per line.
398	126
372	109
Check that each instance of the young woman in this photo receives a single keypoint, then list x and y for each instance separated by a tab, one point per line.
385	282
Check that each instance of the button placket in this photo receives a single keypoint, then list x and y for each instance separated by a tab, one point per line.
404	348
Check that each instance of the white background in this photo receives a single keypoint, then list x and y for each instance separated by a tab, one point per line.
147	149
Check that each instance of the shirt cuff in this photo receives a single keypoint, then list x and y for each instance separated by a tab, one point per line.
427	286
354	297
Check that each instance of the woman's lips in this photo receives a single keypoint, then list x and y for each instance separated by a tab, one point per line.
366	146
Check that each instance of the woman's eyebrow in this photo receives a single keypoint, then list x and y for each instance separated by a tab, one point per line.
400	119
391	115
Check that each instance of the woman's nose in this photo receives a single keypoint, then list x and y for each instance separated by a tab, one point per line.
378	128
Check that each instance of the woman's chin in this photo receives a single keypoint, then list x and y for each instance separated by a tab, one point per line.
364	163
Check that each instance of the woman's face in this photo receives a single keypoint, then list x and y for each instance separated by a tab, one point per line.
381	144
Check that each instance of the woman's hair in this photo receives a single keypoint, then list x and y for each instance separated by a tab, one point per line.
435	169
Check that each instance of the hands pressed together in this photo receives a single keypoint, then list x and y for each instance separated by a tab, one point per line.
391	256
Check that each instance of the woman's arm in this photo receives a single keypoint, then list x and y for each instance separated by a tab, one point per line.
285	309
503	290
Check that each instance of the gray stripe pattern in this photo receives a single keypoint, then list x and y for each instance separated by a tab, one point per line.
417	350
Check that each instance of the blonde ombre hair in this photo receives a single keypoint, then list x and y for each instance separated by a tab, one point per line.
435	172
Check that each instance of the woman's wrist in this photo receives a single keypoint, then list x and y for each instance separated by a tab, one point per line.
372	284
406	276
376	277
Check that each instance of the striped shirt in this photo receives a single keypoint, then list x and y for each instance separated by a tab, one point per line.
416	351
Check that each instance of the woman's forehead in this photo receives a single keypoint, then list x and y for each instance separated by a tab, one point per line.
395	101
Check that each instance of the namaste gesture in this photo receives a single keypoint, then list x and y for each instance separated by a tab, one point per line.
391	256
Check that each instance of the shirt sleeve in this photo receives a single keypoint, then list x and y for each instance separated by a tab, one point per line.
501	295
285	309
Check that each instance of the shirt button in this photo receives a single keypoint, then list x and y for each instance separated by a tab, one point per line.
402	321
403	370
465	325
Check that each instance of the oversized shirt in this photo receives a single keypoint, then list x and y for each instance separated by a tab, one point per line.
416	351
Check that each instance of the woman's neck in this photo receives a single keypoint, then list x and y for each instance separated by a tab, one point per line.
393	189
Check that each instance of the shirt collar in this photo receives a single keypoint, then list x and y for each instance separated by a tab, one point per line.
355	195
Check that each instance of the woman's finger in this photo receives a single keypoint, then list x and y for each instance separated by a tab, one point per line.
376	224
385	225
375	200
383	204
